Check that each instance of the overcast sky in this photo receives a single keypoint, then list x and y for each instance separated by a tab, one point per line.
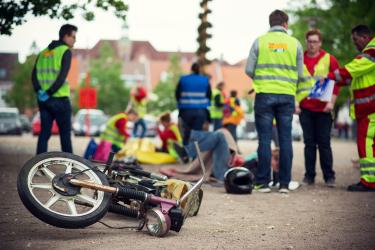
168	24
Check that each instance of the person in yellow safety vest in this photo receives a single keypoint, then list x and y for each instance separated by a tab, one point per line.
138	103
233	114
275	64
315	116
360	74
115	129
169	135
217	105
49	81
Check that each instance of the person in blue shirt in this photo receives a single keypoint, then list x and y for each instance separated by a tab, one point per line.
193	95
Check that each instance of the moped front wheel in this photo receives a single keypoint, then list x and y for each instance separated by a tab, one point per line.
44	188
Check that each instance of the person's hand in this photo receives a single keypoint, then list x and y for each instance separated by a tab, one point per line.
328	108
297	109
42	95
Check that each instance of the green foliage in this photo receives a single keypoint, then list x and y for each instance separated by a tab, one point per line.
165	90
22	94
113	95
13	13
335	21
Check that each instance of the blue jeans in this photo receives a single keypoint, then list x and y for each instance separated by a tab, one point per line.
193	119
316	128
267	106
58	109
137	124
211	141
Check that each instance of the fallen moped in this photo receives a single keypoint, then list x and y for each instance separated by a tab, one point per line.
68	191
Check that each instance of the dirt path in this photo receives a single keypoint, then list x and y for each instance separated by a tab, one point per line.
309	218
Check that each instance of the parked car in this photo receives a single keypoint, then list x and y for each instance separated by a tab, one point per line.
96	122
36	125
10	121
253	135
151	126
25	123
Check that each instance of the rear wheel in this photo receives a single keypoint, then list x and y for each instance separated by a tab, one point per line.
46	192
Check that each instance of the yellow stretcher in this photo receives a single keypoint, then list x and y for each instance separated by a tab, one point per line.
145	152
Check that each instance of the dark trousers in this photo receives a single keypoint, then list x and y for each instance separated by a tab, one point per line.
217	122
192	119
58	109
269	106
316	128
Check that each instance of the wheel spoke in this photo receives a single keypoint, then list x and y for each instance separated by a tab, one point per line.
47	186
69	167
47	172
72	207
52	200
86	198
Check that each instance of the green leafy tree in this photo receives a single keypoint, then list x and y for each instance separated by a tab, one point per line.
335	20
113	95
203	36
13	13
165	89
22	94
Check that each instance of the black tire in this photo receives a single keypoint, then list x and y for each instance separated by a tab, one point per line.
34	205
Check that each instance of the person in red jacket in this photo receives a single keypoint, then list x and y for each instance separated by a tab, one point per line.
315	116
360	74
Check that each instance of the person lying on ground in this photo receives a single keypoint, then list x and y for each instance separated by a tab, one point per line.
220	152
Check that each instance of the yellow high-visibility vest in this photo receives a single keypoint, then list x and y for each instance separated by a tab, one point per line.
276	70
48	68
111	133
321	69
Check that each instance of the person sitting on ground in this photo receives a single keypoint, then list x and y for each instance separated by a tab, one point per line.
169	134
115	130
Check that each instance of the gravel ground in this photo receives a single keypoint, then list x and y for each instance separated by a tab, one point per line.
313	217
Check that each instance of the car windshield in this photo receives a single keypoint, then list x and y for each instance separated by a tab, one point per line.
94	119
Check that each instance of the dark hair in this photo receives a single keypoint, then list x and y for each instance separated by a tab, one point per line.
165	117
220	85
195	68
313	32
361	30
278	17
132	111
233	93
66	29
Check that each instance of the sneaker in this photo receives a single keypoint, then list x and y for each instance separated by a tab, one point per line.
293	185
331	183
273	184
359	187
262	188
308	181
283	189
181	152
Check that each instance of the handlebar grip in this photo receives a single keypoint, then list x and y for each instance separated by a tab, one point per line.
158	177
132	194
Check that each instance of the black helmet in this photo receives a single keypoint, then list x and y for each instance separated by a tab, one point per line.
238	180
